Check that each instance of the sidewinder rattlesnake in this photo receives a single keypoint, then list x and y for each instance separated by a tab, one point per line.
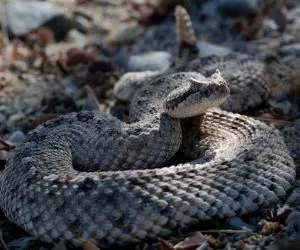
90	175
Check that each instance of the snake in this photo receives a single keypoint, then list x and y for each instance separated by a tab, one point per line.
90	175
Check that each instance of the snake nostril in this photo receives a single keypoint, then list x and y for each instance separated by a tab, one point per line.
206	92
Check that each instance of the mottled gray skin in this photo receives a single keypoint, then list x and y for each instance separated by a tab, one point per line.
247	79
240	165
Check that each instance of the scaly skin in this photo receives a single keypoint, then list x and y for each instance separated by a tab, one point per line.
242	164
246	77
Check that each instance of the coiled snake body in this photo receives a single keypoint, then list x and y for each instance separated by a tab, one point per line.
90	175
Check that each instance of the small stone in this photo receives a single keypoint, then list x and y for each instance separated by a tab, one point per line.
151	61
26	16
17	137
209	49
139	2
291	49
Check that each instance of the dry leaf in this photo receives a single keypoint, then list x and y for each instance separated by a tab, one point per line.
76	56
165	245
191	243
6	145
87	245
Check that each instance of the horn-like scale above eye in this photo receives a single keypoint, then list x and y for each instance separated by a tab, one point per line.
197	96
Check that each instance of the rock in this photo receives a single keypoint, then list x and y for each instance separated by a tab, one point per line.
151	61
237	8
23	17
208	49
293	226
17	137
291	49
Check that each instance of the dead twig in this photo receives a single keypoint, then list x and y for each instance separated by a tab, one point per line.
266	119
227	231
6	145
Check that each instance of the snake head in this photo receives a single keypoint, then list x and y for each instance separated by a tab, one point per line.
198	95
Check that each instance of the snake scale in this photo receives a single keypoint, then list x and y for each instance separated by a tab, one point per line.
93	176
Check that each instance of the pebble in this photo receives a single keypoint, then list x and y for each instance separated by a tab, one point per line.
151	61
293	226
17	137
291	49
26	16
209	49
